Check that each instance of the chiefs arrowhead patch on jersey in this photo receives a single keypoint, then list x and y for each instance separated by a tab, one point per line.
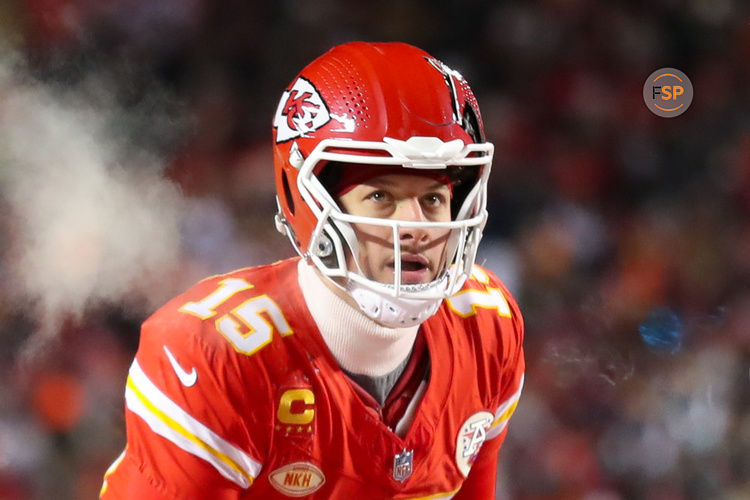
471	437
301	111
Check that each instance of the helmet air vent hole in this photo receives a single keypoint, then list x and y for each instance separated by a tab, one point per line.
287	193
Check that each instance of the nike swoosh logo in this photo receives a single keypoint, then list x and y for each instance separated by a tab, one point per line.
187	379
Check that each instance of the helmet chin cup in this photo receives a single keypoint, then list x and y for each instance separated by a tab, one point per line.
392	312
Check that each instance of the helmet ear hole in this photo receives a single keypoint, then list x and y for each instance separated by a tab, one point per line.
287	193
331	239
324	248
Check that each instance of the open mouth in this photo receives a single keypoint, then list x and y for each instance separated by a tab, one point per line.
411	263
412	266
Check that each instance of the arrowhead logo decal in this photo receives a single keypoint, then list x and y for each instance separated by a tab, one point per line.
301	111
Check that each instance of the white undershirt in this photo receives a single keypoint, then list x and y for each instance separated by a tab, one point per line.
357	343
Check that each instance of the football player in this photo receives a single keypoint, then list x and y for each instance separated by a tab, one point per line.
380	363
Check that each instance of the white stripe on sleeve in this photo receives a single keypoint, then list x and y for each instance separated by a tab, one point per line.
169	420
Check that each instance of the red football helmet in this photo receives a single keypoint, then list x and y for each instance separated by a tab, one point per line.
387	104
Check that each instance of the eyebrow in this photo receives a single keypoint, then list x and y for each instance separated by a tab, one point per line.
388	182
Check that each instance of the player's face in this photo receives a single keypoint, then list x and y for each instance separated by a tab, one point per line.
400	197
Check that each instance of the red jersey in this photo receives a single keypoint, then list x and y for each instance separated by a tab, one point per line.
234	394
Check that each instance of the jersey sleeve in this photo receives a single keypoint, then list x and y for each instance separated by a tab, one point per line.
506	353
497	329
187	434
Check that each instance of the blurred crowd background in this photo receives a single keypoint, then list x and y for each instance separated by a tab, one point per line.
624	236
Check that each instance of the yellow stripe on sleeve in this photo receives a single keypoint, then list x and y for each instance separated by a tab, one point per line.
170	421
175	426
504	412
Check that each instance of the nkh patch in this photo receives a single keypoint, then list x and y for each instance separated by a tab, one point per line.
403	465
301	110
297	479
471	437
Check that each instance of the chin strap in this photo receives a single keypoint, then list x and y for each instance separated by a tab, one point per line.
393	312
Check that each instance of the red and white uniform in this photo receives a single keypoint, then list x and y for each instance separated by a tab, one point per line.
234	394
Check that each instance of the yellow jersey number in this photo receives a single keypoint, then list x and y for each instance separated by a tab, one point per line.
247	326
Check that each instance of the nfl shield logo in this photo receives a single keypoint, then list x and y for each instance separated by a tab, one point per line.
402	465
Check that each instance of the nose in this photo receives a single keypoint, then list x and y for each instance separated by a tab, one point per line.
411	210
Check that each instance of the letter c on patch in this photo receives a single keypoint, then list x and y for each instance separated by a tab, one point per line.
296	407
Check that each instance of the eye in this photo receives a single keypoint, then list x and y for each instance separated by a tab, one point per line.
434	199
379	196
